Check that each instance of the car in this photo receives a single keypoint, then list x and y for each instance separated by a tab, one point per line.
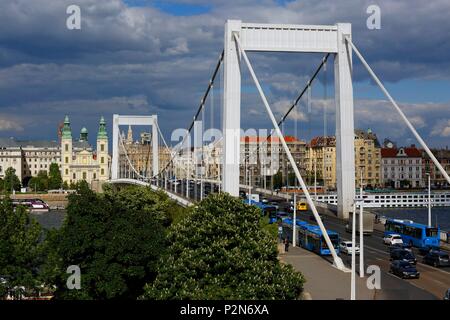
403	255
437	258
393	239
447	295
275	204
282	214
403	246
346	247
404	270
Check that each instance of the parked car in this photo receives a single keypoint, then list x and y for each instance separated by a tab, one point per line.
447	295
437	258
404	270
393	239
403	255
346	247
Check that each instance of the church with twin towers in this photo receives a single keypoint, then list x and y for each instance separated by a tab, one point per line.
79	161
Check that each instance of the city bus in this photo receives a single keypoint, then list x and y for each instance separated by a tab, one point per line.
266	210
414	234
310	237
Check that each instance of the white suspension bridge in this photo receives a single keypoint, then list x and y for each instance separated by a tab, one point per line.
188	173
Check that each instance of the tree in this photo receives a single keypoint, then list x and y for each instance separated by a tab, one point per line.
20	249
116	239
405	184
292	178
11	180
43	179
39	183
54	178
278	180
220	251
65	185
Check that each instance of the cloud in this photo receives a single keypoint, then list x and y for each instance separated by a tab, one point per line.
7	124
442	128
140	59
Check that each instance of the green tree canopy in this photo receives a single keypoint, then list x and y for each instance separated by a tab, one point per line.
11	181
39	183
54	177
20	249
116	239
220	251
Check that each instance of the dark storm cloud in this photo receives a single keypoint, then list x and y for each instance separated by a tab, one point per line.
139	59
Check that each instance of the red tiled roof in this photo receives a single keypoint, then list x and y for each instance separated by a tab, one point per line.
320	141
411	152
389	152
248	139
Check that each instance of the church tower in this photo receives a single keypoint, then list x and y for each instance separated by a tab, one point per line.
102	151
130	135
66	150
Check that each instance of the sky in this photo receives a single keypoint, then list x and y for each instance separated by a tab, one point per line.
149	57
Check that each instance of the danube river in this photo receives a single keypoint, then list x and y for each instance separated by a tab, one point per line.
50	220
440	216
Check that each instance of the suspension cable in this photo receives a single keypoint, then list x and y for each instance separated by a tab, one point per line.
306	89
202	105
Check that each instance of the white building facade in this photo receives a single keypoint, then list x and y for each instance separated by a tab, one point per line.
402	167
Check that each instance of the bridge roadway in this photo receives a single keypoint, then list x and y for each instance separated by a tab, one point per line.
433	280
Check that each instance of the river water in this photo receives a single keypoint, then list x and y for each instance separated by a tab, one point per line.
50	220
440	216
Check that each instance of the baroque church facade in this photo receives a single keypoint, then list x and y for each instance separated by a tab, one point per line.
79	161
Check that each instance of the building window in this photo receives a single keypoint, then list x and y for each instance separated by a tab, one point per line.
95	176
102	160
67	160
74	176
67	171
84	176
102	147
102	171
66	147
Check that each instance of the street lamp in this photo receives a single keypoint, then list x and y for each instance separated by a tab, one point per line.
361	227
353	273
429	200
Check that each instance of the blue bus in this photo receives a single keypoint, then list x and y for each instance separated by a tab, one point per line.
266	210
310	237
414	234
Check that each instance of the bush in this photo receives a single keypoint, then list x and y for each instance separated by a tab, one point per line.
220	251
20	250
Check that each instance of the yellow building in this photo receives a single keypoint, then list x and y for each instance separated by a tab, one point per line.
367	158
321	160
78	159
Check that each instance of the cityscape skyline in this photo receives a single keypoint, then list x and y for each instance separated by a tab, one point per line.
162	70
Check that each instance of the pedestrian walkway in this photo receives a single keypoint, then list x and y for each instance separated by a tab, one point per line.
323	281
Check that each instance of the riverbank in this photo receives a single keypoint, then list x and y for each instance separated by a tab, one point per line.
54	200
